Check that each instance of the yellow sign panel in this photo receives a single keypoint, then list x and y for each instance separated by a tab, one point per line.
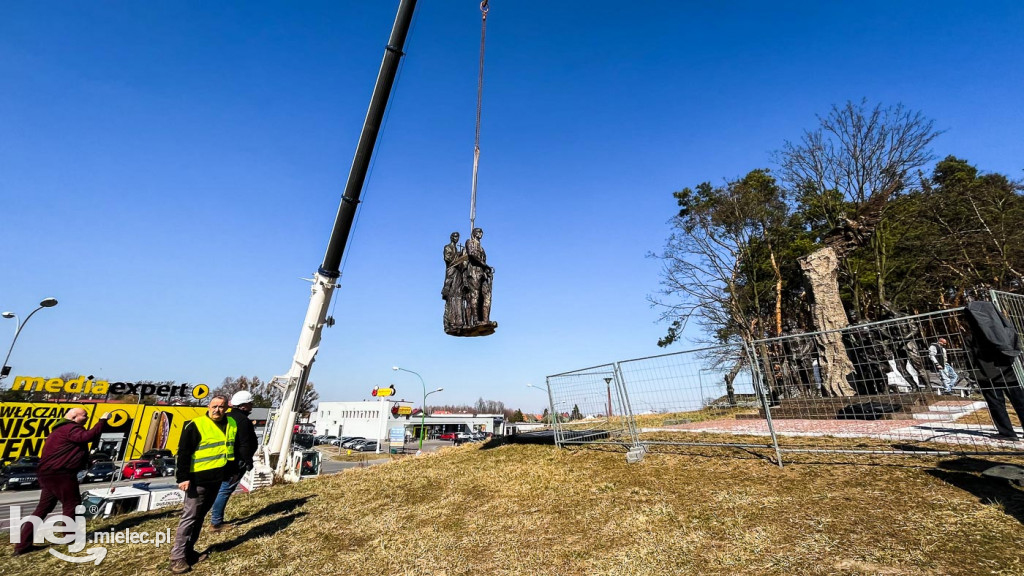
131	429
404	410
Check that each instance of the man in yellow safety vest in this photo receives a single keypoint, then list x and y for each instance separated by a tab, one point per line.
206	448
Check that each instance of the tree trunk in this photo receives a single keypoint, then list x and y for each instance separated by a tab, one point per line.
730	390
778	292
821	270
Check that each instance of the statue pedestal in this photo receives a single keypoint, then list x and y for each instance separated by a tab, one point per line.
483	329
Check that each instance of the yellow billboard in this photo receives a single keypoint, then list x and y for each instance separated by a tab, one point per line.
131	430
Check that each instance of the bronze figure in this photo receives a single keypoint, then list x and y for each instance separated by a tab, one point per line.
451	291
467	288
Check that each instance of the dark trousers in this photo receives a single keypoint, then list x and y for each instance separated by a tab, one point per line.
996	399
199	499
55	488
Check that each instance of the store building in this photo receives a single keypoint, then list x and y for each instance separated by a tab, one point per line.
375	419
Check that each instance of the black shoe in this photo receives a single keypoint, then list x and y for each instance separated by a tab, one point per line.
27	550
194	558
1010	437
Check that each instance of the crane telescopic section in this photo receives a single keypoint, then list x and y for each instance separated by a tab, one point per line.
293	384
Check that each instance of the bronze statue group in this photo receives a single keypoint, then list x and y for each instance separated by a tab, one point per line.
467	287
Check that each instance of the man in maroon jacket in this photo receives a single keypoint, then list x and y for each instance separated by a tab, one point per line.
65	452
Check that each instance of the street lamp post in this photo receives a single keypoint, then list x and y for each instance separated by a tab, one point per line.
608	383
423	409
47	303
551	399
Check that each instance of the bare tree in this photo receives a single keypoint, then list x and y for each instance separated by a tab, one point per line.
720	268
851	165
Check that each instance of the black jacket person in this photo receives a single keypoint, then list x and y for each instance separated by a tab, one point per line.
205	453
996	346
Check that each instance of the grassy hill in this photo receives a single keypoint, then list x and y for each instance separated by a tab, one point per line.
539	510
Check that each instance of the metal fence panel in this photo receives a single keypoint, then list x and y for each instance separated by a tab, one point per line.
675	396
657	401
1013	306
908	385
589	406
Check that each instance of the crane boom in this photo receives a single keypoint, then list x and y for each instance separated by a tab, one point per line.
293	384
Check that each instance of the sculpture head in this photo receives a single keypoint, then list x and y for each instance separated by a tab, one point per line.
478	233
455	237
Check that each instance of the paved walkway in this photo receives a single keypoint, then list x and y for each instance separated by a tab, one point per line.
939	425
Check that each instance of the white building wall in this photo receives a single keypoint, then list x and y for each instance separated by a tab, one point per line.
353	419
365	419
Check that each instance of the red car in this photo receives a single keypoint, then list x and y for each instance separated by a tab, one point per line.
138	469
447	436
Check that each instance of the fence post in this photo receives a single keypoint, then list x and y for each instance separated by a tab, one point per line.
636	452
551	414
758	381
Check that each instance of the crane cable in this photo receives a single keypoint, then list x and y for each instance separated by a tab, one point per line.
479	104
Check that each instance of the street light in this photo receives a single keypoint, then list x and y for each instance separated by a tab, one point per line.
608	382
551	399
47	303
423	410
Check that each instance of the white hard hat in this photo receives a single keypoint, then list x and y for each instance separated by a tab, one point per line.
241	397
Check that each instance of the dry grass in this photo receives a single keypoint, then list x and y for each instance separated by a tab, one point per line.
539	510
984	417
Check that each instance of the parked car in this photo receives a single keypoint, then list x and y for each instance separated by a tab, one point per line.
18	476
477	437
355	439
99	456
368	446
325	439
99	471
138	469
165	465
304	440
156	453
448	436
341	440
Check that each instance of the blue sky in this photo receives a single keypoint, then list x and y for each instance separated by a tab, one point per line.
170	171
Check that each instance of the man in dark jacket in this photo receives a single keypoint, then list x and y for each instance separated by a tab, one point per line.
206	447
65	452
996	347
245	449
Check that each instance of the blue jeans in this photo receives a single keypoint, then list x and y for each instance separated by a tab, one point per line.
949	377
227	488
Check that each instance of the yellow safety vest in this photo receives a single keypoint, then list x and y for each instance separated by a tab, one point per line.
215	448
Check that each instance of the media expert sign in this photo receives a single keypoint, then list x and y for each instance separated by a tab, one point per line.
81	385
132	428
